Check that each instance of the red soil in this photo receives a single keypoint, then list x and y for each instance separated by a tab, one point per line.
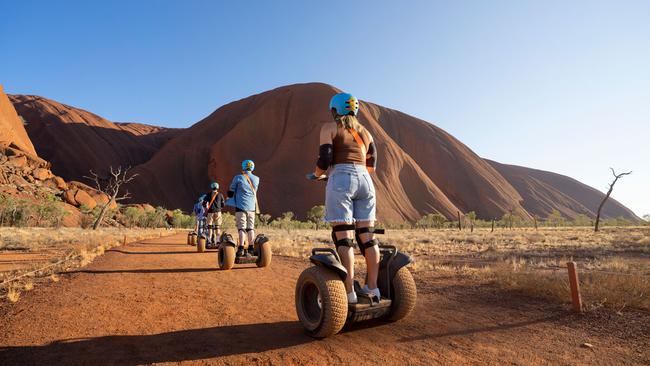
159	301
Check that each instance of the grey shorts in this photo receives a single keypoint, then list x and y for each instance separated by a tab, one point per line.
214	218
350	194
245	220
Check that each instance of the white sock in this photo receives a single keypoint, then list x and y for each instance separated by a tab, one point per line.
375	291
352	298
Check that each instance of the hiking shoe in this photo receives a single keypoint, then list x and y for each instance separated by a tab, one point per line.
367	291
251	250
240	252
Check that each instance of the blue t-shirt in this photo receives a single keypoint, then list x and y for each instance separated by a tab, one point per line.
199	210
244	197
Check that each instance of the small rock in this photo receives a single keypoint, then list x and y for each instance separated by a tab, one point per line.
68	196
18	160
42	174
60	183
587	345
84	198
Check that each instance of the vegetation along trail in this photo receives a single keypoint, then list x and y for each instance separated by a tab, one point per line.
158	301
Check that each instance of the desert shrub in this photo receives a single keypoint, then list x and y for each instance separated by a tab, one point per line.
555	219
316	215
133	217
11	211
155	218
48	213
432	220
181	220
24	212
264	219
582	220
619	221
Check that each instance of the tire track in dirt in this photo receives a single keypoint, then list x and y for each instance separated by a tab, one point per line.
158	301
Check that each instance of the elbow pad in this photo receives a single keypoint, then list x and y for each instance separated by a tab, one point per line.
371	159
325	156
231	194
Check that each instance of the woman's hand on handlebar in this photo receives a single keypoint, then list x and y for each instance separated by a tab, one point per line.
313	176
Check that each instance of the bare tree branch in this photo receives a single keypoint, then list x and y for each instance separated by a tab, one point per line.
609	192
111	187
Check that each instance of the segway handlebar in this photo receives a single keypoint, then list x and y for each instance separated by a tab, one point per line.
326	250
312	176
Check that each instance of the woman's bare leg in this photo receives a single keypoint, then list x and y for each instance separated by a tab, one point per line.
371	254
347	256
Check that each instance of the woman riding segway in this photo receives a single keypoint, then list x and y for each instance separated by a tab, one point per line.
350	194
321	302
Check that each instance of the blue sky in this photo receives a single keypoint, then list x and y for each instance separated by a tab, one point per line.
555	85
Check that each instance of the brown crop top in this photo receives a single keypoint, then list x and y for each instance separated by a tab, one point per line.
346	149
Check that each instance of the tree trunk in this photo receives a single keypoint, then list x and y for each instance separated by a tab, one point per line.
602	203
535	221
611	188
460	227
100	217
492	226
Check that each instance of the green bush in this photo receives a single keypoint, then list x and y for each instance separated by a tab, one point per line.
25	212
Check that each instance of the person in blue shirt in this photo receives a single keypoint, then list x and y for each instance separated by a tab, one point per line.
199	211
242	195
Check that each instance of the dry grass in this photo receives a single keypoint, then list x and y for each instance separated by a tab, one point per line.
526	260
27	250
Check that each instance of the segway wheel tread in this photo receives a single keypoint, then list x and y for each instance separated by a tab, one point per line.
334	302
404	295
226	257
264	254
200	245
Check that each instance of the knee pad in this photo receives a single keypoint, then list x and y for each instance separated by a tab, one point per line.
346	242
370	243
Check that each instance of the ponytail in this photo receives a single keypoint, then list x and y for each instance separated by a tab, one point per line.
349	121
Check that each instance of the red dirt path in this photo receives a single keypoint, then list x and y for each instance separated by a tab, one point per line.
158	301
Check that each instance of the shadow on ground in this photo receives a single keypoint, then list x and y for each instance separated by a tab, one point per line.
193	344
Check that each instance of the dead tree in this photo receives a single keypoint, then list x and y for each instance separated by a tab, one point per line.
111	187
611	188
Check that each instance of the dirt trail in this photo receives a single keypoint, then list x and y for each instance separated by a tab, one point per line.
158	301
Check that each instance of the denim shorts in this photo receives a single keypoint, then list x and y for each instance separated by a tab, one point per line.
350	194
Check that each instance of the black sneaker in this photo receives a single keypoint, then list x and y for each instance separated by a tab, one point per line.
251	250
240	252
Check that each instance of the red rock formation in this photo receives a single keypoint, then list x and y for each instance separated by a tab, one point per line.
75	140
421	168
11	127
544	192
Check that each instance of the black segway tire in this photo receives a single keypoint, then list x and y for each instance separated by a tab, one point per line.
325	316
226	257
404	295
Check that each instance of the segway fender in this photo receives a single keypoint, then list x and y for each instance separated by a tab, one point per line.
261	239
391	261
226	239
328	258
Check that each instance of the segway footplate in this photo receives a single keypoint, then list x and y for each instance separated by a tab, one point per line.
364	310
246	260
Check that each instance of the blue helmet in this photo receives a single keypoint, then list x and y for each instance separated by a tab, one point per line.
247	165
344	104
214	185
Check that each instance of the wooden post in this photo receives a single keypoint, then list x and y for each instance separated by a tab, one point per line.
459	225
535	221
124	243
576	299
492	226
